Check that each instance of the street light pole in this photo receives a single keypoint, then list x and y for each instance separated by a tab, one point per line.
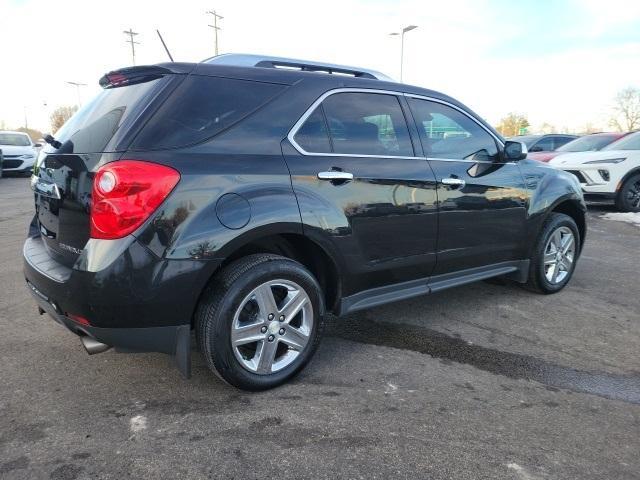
404	30
78	85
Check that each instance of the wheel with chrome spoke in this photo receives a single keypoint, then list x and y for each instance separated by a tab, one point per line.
554	254
260	321
559	254
272	326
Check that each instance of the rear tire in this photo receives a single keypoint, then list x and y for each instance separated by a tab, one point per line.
260	321
628	198
555	255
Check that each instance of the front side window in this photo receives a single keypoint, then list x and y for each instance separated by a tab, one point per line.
367	124
448	133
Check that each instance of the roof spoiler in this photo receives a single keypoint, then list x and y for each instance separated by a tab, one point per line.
132	75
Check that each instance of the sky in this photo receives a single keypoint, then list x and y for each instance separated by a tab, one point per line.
559	62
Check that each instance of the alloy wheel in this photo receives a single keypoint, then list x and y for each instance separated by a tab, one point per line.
559	255
272	326
633	195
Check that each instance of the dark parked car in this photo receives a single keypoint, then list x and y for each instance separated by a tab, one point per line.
245	201
544	143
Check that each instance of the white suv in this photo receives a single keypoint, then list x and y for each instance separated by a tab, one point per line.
18	151
613	172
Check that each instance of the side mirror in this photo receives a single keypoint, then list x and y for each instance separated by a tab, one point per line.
37	145
515	151
537	149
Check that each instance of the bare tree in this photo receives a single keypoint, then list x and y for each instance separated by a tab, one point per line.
512	124
61	115
626	110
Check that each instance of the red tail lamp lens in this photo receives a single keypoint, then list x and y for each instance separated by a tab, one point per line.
125	193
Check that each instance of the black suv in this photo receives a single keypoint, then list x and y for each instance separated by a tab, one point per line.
247	197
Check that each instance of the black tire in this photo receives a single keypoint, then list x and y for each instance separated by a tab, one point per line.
538	281
224	296
628	198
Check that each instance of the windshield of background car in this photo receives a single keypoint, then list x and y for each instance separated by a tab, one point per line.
589	143
528	140
630	142
14	139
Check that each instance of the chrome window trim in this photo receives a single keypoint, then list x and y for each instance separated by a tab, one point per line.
294	130
438	159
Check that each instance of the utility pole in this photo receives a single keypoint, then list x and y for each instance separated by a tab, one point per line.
133	43
215	26
78	85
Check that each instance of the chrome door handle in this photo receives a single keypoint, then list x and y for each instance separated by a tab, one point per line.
335	175
453	182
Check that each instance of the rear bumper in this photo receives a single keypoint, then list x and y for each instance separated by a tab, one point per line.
172	340
134	301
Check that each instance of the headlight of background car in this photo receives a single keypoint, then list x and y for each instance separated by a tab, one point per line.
611	160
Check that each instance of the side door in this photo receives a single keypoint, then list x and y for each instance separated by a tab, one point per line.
362	187
481	197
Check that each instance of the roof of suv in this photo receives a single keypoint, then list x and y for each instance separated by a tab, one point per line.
290	71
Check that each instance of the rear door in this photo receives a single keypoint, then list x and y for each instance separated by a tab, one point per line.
361	186
481	197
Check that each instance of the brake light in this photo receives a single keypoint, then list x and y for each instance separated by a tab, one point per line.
125	193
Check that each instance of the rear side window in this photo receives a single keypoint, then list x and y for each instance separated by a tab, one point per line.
367	124
200	108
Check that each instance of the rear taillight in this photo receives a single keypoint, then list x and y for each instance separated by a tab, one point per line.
125	193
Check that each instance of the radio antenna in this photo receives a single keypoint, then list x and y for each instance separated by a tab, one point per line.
164	45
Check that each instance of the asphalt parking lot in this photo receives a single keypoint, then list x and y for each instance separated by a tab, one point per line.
483	381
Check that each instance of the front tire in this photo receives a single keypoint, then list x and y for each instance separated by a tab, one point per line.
555	255
260	321
628	198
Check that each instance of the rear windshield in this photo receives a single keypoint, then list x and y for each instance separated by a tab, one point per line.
14	139
95	124
200	108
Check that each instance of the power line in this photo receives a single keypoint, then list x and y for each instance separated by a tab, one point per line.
215	26
133	43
